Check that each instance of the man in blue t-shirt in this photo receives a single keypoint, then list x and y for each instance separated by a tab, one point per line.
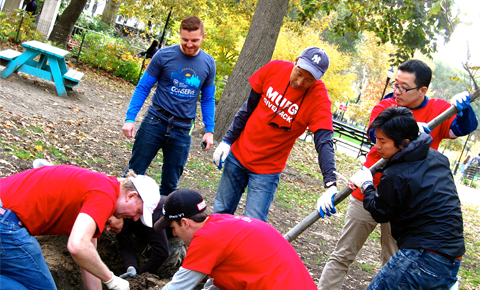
181	72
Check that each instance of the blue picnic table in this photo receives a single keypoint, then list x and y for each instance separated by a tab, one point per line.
50	66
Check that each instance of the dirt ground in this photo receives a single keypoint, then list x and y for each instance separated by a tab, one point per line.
85	130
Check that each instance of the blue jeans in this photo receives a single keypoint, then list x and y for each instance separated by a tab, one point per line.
235	178
416	269
149	139
22	265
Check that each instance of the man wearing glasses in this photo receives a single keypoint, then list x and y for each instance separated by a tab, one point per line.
409	90
286	98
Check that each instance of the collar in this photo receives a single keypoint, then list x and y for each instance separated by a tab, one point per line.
422	105
413	150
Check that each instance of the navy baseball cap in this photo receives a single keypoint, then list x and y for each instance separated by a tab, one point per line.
315	60
182	203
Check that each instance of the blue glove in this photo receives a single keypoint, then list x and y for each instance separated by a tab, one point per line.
461	101
423	127
131	273
325	202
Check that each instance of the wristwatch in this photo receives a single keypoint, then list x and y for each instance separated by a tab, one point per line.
365	185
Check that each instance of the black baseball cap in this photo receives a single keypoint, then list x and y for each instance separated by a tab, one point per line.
182	203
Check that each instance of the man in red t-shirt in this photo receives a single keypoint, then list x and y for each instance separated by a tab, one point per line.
286	99
236	252
409	89
66	200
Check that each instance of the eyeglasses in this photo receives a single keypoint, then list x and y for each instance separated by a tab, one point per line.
275	125
402	90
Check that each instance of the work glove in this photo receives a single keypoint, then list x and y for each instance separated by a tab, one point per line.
362	177
117	283
423	127
37	163
221	154
131	272
461	101
325	202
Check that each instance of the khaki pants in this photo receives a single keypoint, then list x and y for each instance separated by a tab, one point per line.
358	226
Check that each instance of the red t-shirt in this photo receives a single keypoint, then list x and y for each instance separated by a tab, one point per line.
264	149
433	108
48	200
242	253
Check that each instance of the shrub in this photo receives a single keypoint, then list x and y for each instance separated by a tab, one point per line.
10	22
110	54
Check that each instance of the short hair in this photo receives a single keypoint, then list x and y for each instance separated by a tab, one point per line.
192	23
126	182
398	124
422	72
198	218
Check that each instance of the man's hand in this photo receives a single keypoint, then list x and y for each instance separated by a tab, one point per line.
129	129
325	202
362	176
131	273
423	127
221	154
461	101
208	138
117	283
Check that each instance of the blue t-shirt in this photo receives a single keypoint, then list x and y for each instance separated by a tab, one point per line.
180	79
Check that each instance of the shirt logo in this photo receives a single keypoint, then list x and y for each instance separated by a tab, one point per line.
316	59
184	83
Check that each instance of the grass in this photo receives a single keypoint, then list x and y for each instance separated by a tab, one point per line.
469	273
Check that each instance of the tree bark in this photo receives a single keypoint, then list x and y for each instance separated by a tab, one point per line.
64	26
110	13
256	52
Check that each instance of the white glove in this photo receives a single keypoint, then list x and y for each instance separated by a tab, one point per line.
362	176
461	101
423	127
221	154
325	202
37	163
117	283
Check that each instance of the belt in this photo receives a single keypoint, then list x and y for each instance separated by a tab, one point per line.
10	215
170	115
444	255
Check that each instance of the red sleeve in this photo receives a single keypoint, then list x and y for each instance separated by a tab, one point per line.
258	78
321	118
100	207
380	107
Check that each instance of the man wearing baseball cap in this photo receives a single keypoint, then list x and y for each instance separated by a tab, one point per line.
66	200
286	99
236	252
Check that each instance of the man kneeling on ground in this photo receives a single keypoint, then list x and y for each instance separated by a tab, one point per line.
236	252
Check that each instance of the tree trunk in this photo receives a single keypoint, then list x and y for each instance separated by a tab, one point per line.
64	26
110	13
256	52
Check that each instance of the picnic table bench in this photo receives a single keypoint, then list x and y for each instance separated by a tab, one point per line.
55	71
359	135
347	130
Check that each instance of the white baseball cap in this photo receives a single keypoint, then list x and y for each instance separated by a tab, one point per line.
149	192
